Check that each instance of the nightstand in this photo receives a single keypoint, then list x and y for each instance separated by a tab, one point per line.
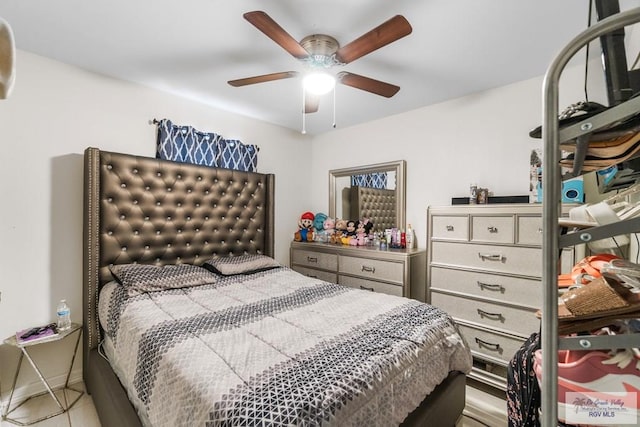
75	328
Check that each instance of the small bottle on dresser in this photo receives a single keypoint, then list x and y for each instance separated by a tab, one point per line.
411	238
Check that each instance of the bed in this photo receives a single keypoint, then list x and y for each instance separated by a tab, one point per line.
147	212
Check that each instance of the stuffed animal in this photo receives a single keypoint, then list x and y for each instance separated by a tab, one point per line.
351	228
326	231
329	226
340	230
360	238
305	228
318	221
368	226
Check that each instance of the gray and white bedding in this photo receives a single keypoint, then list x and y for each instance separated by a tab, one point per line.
278	347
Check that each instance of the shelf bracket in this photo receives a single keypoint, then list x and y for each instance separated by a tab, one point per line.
599	342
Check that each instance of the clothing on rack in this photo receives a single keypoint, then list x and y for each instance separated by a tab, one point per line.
523	391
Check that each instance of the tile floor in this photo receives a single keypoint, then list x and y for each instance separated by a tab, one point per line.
481	412
82	414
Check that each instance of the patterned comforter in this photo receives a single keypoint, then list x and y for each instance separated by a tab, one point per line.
278	347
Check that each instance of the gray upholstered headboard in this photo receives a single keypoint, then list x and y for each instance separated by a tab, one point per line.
150	211
379	205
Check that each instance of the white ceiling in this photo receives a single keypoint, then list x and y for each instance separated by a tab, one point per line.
192	48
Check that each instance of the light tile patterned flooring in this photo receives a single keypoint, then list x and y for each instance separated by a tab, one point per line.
83	413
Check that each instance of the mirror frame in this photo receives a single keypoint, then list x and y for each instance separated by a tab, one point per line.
398	166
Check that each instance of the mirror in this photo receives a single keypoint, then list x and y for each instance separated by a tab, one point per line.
384	207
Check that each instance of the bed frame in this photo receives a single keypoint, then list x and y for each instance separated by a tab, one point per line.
140	209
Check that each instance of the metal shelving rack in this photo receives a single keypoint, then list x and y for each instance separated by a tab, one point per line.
552	241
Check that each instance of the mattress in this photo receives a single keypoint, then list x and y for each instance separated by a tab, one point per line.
279	347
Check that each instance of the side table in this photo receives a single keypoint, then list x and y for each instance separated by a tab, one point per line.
75	328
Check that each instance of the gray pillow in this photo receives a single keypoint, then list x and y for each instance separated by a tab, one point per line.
140	278
240	264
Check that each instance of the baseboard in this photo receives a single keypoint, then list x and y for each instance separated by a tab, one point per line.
23	391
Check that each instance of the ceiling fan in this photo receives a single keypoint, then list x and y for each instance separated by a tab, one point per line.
321	52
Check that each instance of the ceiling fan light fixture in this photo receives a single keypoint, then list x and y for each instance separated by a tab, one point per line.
318	83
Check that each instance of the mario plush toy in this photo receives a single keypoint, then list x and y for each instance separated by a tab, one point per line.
305	228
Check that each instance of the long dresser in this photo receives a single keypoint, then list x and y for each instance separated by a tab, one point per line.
484	268
398	272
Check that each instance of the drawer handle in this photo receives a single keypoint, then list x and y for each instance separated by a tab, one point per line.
450	228
492	229
491	287
365	288
494	316
312	259
368	269
312	276
490	346
491	257
540	230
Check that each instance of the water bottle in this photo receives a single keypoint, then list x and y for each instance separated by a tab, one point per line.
64	316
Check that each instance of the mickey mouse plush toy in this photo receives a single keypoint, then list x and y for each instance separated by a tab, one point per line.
305	228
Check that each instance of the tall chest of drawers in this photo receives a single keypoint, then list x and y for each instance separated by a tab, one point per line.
484	269
399	272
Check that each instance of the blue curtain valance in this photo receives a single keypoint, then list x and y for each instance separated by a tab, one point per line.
370	180
188	145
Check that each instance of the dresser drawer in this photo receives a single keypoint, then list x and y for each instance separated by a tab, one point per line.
492	229
514	290
369	285
529	230
486	343
503	259
387	271
505	318
327	276
450	227
315	259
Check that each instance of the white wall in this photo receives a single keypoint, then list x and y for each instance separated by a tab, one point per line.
53	114
481	138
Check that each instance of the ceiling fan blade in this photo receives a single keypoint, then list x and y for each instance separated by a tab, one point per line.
385	33
366	83
311	103
263	78
275	32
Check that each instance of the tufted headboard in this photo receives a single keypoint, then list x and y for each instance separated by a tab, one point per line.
150	211
379	205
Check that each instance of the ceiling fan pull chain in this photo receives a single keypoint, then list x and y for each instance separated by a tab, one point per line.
304	123
334	107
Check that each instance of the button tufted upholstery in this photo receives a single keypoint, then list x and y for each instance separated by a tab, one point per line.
378	205
150	211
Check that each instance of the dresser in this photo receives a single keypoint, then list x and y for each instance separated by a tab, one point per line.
399	272
484	269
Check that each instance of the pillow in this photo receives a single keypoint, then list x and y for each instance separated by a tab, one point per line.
240	264
140	278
